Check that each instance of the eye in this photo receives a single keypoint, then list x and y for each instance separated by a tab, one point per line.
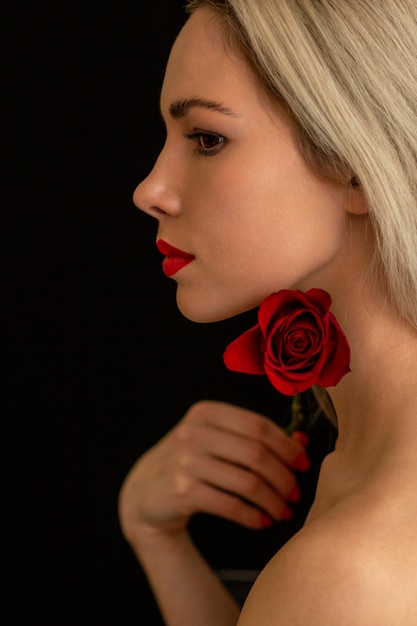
206	144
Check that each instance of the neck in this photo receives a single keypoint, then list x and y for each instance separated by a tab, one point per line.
376	403
376	407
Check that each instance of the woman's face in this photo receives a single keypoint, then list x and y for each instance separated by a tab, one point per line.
230	187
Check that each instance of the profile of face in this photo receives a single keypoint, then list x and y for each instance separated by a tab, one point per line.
231	189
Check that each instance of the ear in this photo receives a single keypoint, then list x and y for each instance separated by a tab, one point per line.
356	203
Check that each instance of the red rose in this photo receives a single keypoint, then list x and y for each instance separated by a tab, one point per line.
297	343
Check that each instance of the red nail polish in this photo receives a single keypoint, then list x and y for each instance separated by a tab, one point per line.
301	462
266	521
301	437
294	494
286	513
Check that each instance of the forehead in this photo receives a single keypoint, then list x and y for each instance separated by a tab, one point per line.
202	65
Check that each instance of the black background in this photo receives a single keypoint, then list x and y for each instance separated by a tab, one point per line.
99	362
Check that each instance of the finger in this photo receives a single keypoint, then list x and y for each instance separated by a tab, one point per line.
245	484
235	509
251	425
261	462
239	451
301	437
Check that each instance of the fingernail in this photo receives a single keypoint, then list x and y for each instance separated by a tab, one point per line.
301	437
294	494
301	462
286	513
266	521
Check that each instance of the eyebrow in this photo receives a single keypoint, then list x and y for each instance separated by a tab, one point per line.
180	108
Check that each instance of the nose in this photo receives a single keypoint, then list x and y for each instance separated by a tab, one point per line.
159	194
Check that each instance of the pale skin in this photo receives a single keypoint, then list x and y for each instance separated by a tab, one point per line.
219	459
355	561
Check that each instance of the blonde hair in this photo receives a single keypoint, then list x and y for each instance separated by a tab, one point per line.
346	72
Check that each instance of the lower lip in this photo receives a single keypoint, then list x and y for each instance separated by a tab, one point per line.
173	264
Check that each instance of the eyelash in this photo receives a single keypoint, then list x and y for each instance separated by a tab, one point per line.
200	150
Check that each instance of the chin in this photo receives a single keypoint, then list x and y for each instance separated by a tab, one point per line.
206	312
202	315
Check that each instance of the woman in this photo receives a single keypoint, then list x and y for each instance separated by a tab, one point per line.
290	164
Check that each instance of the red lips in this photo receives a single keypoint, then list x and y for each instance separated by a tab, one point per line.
175	259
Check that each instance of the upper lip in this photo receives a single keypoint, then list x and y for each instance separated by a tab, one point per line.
167	250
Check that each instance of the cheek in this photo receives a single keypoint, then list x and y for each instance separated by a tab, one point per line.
258	219
218	205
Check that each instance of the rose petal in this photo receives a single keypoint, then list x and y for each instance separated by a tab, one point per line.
245	353
336	364
320	298
289	385
269	309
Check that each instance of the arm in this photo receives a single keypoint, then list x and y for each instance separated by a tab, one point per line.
186	588
219	459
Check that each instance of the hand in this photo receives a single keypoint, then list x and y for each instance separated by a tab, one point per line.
219	459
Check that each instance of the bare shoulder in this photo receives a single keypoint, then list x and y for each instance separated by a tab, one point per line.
344	570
